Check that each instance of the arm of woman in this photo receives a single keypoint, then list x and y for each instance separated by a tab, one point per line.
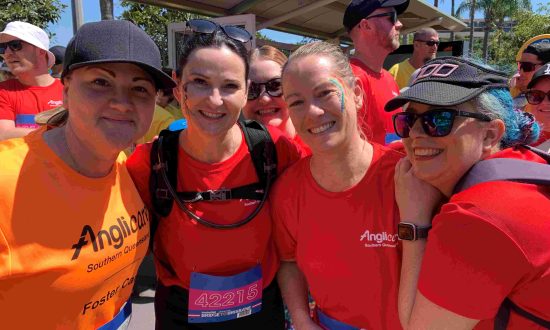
295	294
417	201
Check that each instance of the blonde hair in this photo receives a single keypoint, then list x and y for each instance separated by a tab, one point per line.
333	52
270	53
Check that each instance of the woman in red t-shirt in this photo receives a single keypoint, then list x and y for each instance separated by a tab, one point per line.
334	212
487	252
265	103
215	260
539	103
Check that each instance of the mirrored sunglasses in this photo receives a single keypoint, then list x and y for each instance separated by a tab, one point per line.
209	27
535	97
14	45
272	87
435	123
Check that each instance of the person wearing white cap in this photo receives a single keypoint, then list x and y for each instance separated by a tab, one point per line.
24	48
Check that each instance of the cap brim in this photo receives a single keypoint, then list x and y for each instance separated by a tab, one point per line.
434	93
399	5
162	80
535	80
54	117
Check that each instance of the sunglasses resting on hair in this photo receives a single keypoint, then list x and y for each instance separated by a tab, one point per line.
14	45
535	97
435	122
392	15
272	87
527	66
209	27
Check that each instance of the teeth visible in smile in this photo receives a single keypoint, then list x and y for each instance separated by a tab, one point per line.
212	115
321	128
427	152
267	111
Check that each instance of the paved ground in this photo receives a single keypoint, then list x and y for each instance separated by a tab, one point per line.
143	314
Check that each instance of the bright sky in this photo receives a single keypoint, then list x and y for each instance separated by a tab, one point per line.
64	30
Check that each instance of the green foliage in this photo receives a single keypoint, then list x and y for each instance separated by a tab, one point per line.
504	46
37	12
154	21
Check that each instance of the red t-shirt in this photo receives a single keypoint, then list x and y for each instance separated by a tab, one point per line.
378	89
345	242
187	246
20	103
489	242
298	140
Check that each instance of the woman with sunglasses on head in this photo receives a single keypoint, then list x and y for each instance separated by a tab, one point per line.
538	97
487	251
215	270
337	233
265	103
73	228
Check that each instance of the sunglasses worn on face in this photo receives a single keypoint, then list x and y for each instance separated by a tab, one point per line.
435	123
392	15
535	97
527	66
430	43
209	27
14	45
272	87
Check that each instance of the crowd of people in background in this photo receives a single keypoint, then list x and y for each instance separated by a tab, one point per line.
314	186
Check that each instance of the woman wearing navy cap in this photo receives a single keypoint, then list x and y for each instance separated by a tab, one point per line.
73	228
475	252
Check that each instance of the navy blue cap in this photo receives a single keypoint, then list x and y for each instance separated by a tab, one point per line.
59	52
543	71
448	81
359	9
115	41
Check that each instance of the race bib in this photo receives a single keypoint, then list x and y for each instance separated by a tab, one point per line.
223	298
25	121
121	320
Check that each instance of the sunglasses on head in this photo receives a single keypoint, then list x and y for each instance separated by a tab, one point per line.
14	45
535	97
209	27
272	87
435	123
430	43
527	66
392	15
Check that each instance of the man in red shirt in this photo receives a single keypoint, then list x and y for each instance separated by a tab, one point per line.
374	28
24	48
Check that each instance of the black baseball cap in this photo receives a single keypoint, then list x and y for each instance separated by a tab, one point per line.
115	41
543	71
359	9
59	52
448	81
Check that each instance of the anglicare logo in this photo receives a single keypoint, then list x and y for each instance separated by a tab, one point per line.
114	235
378	239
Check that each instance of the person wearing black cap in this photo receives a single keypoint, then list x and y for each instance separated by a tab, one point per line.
487	251
73	228
538	97
57	68
374	28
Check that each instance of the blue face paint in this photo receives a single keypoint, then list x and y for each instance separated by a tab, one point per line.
341	89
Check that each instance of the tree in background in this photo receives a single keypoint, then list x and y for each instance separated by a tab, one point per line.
494	11
106	8
37	12
504	46
154	21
